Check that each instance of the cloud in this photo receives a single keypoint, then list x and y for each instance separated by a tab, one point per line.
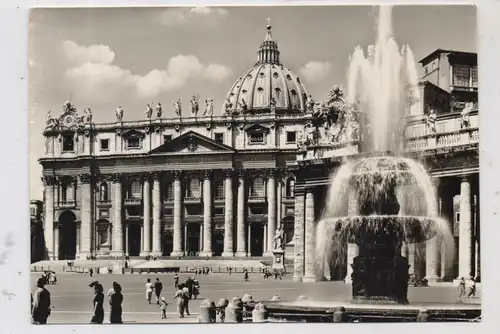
174	16
315	70
93	76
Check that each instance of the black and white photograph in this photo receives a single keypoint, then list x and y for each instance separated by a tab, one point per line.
254	164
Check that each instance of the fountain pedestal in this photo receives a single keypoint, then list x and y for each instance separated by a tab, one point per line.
278	259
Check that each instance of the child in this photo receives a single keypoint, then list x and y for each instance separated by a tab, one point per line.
163	308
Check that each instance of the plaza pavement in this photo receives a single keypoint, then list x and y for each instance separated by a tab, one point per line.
72	297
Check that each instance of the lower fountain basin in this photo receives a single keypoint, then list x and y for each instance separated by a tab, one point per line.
411	229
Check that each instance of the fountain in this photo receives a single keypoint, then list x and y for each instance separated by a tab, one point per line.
392	201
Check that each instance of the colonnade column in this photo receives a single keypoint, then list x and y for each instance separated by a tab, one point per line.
310	244
177	246
146	236
118	221
86	216
465	228
352	249
240	218
447	246
433	246
157	215
48	217
271	211
207	214
228	216
56	240
298	237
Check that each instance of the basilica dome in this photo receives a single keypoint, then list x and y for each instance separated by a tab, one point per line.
268	86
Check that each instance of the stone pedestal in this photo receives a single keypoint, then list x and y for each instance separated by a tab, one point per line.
278	259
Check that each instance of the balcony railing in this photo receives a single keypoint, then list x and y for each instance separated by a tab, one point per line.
192	199
443	140
133	201
288	198
256	198
103	203
67	204
219	198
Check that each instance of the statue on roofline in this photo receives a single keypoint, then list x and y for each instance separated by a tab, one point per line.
158	110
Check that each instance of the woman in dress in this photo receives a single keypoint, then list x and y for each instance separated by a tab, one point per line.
98	314
181	300
149	290
115	302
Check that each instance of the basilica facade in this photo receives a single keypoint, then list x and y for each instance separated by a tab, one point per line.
203	185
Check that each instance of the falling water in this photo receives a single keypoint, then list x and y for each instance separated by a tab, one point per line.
382	82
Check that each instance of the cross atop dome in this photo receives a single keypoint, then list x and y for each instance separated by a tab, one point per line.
269	37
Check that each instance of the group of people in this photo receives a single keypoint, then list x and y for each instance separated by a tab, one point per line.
115	301
276	273
466	290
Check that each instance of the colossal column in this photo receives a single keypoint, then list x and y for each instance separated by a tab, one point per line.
310	245
86	216
465	227
146	244
228	218
207	214
157	214
433	246
240	223
118	221
177	247
271	211
48	217
298	237
352	249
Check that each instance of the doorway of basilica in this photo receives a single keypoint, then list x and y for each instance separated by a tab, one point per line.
168	242
67	236
193	239
134	239
256	239
218	242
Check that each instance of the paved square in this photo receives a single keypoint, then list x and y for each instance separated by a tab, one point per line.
72	297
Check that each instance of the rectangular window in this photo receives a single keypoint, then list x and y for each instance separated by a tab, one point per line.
33	211
461	75
256	138
219	138
167	138
169	192
474	76
219	211
133	143
68	143
104	144
291	137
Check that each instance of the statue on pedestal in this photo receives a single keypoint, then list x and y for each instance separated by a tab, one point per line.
119	113
464	115
178	107
87	118
209	107
272	105
149	111
431	121
158	110
195	107
228	106
310	103
279	238
50	121
244	106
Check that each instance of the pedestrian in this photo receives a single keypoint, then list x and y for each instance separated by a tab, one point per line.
149	290
179	295
158	288
245	275
189	286
163	308
461	288
472	288
98	303
186	298
91	272
176	280
40	309
230	270
115	302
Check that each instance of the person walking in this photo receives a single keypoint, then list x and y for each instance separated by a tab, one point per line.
189	285
461	288
163	308
179	295
245	275
472	288
149	290
115	302
98	303
40	309
158	287
176	280
186	298
91	272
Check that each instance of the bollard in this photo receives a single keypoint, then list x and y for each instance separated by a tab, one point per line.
275	298
221	309
207	312
302	297
423	315
234	311
259	313
247	300
339	314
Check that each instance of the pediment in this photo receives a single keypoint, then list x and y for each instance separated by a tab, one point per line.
257	128
192	142
133	134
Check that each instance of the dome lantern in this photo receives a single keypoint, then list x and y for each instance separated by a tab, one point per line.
268	52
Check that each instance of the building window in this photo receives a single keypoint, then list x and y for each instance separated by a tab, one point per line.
291	137
167	138
219	138
474	76
103	192
193	188
135	190
68	143
257	187
461	75
278	94
33	211
104	144
219	189
290	187
168	190
133	143
260	97
294	97
256	138
67	191
219	211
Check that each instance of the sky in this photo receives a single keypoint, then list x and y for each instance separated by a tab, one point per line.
105	57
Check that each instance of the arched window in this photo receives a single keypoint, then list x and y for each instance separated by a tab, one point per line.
257	187
294	97
278	94
290	187
219	189
193	188
135	189
260	97
103	191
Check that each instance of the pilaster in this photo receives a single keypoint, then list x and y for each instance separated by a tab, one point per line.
177	245
118	219
86	216
207	214
228	215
